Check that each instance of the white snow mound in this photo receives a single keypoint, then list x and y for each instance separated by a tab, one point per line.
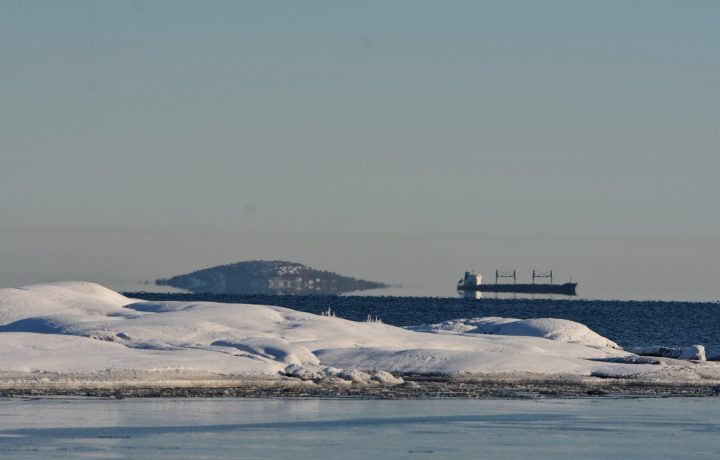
559	330
693	352
85	328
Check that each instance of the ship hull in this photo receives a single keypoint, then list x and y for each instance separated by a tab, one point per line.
565	289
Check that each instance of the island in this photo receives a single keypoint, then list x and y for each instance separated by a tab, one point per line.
267	277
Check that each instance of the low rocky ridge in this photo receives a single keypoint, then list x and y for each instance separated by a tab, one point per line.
81	338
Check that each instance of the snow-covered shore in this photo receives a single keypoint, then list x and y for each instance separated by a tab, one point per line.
81	332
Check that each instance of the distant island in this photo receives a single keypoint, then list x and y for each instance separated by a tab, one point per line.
267	277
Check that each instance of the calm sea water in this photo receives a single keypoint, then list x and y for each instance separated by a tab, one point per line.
629	323
360	429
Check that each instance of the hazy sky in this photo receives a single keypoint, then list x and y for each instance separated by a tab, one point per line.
400	141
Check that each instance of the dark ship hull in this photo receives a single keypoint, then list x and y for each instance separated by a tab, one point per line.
565	289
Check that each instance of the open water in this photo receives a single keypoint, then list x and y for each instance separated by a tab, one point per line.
629	323
656	428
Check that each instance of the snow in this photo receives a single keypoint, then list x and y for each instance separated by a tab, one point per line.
693	352
272	348
560	330
85	328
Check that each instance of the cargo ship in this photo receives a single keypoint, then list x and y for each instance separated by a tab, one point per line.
473	282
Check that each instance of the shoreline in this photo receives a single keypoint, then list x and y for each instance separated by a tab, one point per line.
415	387
81	339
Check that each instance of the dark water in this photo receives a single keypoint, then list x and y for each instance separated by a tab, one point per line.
629	323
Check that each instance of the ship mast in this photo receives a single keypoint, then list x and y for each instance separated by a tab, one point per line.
537	274
512	274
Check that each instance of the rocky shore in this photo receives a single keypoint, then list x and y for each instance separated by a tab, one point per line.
414	387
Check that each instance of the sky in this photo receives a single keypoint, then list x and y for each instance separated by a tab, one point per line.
402	141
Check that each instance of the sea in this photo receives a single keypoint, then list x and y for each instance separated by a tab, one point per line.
178	429
630	323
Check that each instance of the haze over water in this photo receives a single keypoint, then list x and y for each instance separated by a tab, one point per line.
403	142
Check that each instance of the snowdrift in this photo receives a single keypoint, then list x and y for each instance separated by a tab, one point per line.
561	330
83	328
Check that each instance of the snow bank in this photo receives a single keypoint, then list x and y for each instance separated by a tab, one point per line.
84	327
693	352
559	330
272	348
87	299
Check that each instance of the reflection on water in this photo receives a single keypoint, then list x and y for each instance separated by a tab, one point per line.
475	295
451	293
360	429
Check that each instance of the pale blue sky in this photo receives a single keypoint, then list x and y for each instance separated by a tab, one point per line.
399	141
